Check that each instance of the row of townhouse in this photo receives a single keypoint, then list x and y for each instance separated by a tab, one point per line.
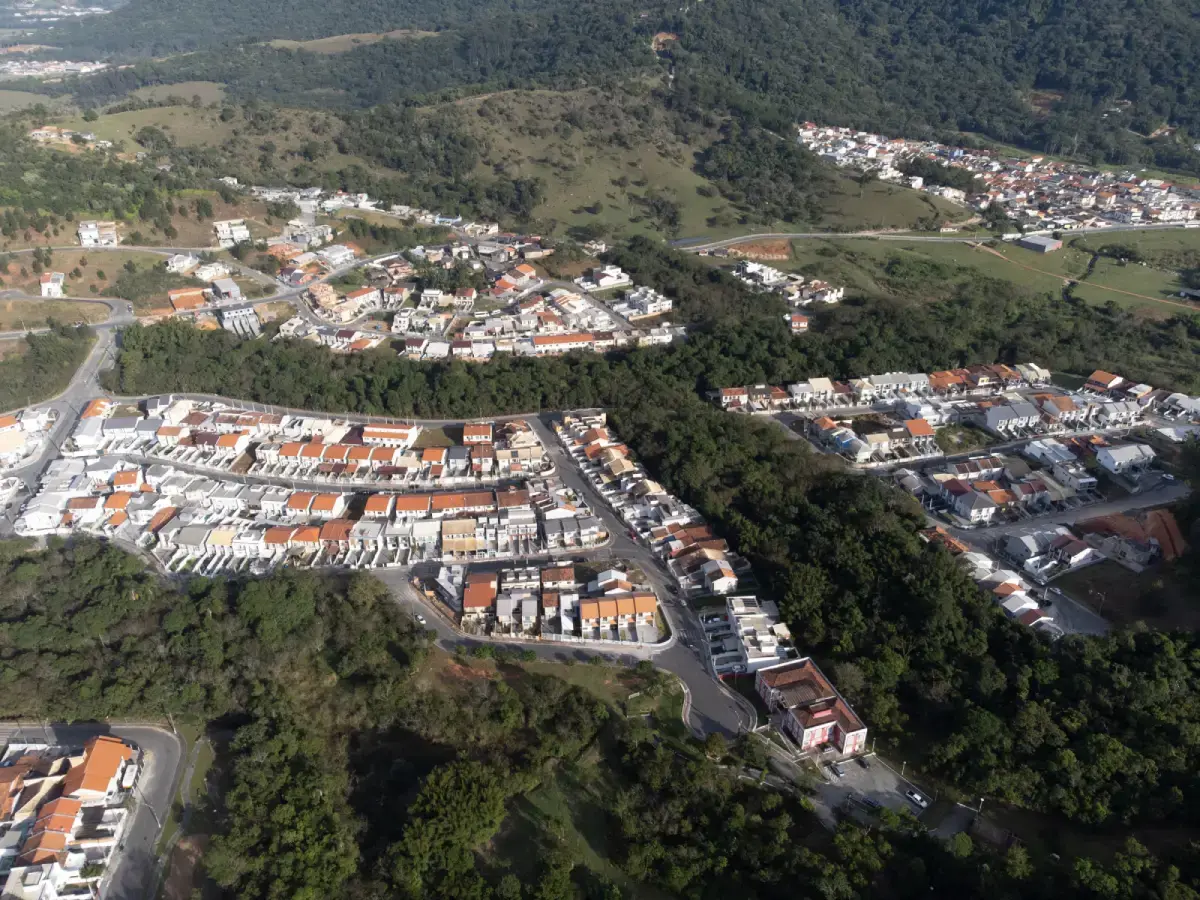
552	601
300	446
749	635
1006	587
979	490
672	529
63	814
892	386
1045	413
872	443
183	516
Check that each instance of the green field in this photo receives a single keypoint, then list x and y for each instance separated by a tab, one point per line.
880	206
865	266
340	43
207	91
868	266
1134	279
11	101
16	315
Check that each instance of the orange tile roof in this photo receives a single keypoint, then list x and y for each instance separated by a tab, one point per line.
83	503
1103	378
479	595
589	609
43	848
291	449
120	517
119	500
645	603
300	501
57	815
480	432
336	530
230	441
919	428
102	759
383	454
97	407
278	535
359	454
378	504
561	573
309	534
336	452
187	299
433	454
312	450
126	477
412	503
607	607
324	503
161	518
551	340
8	421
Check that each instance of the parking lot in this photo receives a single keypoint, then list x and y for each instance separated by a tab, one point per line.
868	786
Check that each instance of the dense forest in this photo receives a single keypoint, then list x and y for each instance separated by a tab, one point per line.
738	337
1092	78
43	191
343	770
44	366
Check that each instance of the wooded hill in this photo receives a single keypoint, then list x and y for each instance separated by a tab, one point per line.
1075	77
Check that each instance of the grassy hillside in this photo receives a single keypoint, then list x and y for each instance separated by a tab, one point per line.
609	161
340	43
924	270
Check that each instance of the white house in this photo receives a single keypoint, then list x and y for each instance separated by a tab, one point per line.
719	577
52	284
182	263
1125	458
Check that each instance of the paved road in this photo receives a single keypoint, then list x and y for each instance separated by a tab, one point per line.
133	877
694	245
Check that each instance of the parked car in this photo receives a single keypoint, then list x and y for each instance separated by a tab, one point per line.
917	799
421	619
837	770
864	762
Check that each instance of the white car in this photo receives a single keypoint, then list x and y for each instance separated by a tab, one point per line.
421	619
918	799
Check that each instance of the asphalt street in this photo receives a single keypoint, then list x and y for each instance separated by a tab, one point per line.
133	877
694	245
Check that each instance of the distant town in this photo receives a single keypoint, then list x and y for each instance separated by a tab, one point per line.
1038	193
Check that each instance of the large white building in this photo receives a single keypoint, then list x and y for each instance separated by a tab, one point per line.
97	234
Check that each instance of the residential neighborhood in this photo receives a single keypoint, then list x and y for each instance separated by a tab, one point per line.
209	488
1038	193
63	815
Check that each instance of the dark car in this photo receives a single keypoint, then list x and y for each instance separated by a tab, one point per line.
864	762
